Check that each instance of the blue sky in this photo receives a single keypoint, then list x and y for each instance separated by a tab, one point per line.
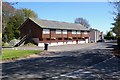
99	14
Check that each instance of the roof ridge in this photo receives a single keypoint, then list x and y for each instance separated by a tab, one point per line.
55	21
57	24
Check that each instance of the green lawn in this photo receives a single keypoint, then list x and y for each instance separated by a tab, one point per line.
14	54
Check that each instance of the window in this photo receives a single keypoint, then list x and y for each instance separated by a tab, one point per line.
78	32
59	38
73	32
79	38
65	38
46	31
58	31
64	31
48	38
53	30
70	38
53	38
74	38
85	32
69	30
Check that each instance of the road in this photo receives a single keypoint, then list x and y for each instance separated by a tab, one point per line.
93	62
69	47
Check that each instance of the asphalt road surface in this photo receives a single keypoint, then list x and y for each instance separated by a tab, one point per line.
95	62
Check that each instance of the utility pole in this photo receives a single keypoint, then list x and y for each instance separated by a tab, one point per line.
0	22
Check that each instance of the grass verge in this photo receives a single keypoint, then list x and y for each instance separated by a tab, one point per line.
14	54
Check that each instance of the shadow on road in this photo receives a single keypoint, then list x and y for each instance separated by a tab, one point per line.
116	49
50	67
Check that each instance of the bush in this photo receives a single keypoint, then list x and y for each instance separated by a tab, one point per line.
30	42
5	44
118	41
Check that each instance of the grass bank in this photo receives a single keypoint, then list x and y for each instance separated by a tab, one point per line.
14	54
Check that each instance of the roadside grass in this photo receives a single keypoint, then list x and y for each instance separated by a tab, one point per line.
15	54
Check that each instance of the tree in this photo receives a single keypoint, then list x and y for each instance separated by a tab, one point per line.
116	28
28	13
16	21
7	12
12	20
14	24
82	21
110	34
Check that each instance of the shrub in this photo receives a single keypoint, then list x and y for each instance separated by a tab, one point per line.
5	44
30	42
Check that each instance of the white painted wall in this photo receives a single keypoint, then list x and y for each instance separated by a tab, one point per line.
81	42
74	42
53	44
69	42
86	40
60	43
65	43
41	44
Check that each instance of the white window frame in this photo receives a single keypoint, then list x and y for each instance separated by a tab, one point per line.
64	32
78	32
58	31
46	31
73	32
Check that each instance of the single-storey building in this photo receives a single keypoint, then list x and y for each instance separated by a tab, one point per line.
53	32
95	35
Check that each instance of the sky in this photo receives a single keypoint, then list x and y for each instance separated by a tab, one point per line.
98	14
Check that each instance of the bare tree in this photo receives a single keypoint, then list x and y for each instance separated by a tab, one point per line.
82	21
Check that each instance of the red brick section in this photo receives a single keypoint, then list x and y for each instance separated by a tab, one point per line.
36	32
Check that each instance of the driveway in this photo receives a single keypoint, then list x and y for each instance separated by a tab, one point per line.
69	47
90	63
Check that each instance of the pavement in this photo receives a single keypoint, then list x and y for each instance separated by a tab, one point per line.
70	62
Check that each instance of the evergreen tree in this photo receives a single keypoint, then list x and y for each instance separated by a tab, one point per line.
116	28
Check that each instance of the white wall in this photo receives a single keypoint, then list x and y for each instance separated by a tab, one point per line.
63	43
41	44
86	40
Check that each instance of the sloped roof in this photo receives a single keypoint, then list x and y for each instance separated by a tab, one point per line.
58	25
